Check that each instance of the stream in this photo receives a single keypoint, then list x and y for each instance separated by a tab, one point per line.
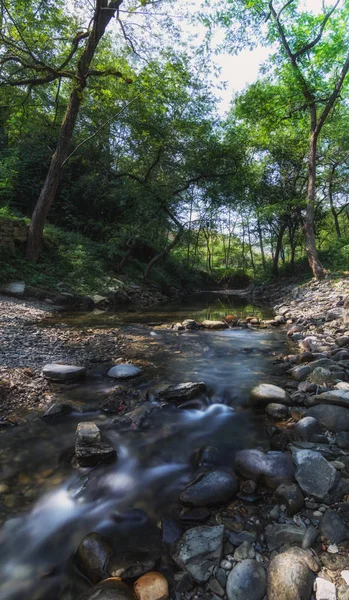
127	499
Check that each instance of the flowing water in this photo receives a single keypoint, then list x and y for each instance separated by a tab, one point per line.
126	498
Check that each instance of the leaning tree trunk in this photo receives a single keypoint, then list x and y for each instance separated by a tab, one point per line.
278	250
162	254
104	12
308	225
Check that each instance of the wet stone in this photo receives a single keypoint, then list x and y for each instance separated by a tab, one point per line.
277	411
305	429
314	474
181	392
110	589
124	371
247	580
210	488
200	550
334	418
89	447
278	535
57	410
292	496
272	468
333	527
92	557
63	373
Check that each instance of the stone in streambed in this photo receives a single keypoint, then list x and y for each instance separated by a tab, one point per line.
92	557
57	410
211	488
278	535
324	589
272	468
247	580
305	429
291	495
124	371
151	586
333	527
334	418
63	373
214	324
267	393
334	398
314	474
200	550
301	373
89	447
277	411
290	575
180	392
110	589
342	440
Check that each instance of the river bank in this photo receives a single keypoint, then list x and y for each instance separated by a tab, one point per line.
264	516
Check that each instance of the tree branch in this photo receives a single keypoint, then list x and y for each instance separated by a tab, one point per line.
313	43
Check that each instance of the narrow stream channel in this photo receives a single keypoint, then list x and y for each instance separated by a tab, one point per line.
127	499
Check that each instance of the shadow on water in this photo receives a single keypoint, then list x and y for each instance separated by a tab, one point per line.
153	463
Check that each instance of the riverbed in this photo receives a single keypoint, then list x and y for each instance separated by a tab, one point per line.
55	504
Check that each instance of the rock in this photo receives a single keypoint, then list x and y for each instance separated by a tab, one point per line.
110	589
244	551
334	418
314	474
333	527
324	589
181	392
342	440
272	468
89	447
92	556
199	551
305	429
97	299
13	287
274	513
277	411
310	537
151	586
342	340
291	495
267	393
343	592
290	575
215	587
214	324
301	373
57	410
247	580
124	371
210	488
295	329
278	535
63	373
190	324
334	397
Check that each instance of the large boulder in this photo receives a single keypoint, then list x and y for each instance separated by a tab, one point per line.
334	398
210	488
305	429
272	468
334	418
267	393
63	373
290	575
199	550
89	447
314	474
247	581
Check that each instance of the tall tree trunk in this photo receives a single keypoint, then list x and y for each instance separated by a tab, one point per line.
308	226
260	237
333	209
278	250
291	234
251	251
162	254
104	12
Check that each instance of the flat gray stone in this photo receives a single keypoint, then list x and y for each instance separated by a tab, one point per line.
123	371
181	392
247	581
62	373
334	418
214	324
314	474
90	449
334	397
200	550
278	535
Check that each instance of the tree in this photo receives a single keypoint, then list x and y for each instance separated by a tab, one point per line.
29	68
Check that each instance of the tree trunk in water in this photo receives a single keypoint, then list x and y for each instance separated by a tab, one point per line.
104	12
161	255
308	226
